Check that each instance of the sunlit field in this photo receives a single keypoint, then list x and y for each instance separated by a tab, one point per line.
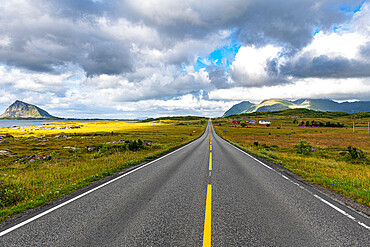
41	163
321	155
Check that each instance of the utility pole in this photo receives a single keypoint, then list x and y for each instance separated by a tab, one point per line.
353	127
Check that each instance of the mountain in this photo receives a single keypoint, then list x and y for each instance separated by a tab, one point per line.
21	109
312	104
236	109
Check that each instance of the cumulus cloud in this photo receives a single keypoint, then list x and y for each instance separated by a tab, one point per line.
255	66
188	104
20	80
340	89
332	55
118	57
339	53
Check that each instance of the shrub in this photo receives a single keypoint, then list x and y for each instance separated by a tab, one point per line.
10	194
135	145
156	146
255	143
106	150
354	153
243	124
304	147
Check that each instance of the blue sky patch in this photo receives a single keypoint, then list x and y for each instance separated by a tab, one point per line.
223	56
317	30
351	9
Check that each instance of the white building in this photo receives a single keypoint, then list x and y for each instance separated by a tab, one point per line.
264	122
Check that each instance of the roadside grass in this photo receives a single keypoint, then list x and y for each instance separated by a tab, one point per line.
328	163
113	146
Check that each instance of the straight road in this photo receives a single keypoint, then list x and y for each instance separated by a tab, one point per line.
208	193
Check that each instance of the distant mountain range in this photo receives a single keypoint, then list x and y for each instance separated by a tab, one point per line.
312	104
21	109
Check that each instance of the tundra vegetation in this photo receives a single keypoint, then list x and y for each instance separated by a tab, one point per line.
41	163
331	155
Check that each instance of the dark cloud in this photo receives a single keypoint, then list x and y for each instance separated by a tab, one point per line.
289	23
218	76
71	33
365	51
107	58
326	67
44	41
272	67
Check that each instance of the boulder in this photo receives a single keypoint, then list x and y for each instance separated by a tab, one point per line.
46	157
68	147
4	152
149	143
39	157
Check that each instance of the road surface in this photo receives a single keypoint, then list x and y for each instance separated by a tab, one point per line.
207	193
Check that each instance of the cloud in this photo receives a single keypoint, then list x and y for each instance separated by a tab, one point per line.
188	104
18	80
114	58
340	89
342	53
256	66
147	83
100	36
218	76
42	42
331	55
325	67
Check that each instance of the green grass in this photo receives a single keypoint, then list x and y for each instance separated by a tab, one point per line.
330	163
25	184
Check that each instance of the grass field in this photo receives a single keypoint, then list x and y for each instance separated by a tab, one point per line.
41	163
319	154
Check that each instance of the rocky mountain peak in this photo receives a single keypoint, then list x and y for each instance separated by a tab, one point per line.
20	109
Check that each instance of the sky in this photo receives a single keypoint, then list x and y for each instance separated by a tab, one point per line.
136	59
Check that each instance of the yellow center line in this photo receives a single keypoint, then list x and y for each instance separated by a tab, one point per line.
210	161
207	218
210	147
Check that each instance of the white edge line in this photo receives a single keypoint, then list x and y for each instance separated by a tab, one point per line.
335	207
364	225
87	192
318	197
250	156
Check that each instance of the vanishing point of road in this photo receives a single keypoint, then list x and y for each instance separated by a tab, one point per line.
207	193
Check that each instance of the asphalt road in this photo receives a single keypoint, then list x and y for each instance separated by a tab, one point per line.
193	198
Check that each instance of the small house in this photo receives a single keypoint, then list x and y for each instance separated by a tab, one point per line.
251	121
264	122
236	122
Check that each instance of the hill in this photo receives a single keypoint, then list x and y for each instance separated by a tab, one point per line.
238	108
312	104
303	113
21	109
